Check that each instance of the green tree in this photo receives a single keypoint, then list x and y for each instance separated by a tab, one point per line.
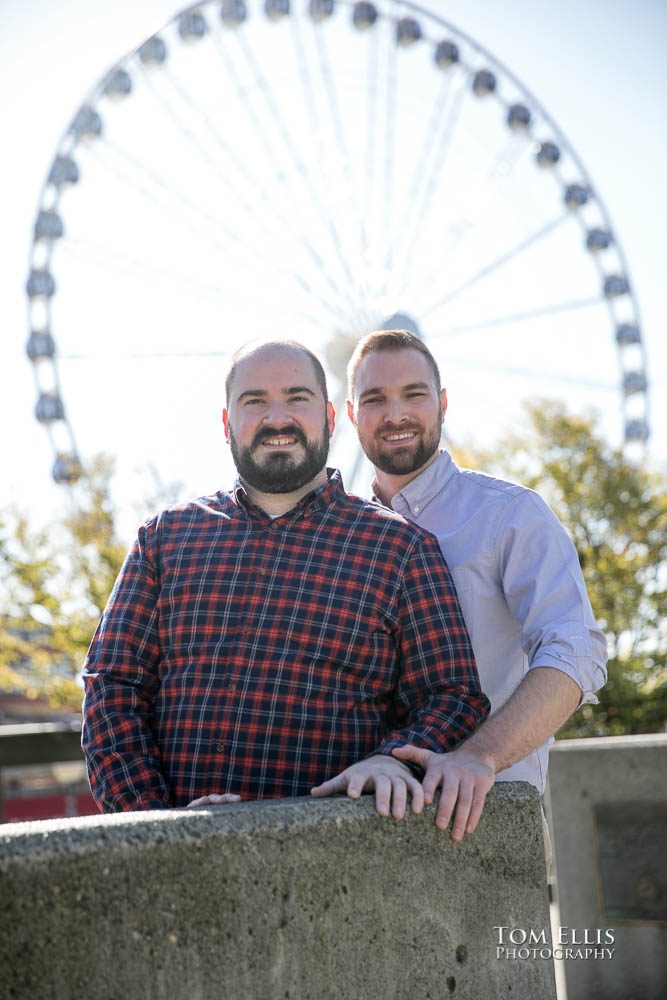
54	584
615	510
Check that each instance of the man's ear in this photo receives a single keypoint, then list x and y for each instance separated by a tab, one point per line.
225	423
443	402
331	417
350	412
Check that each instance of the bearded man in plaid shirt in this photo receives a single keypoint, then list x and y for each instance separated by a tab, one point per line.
281	638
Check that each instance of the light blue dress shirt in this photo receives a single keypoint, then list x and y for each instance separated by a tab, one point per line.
519	583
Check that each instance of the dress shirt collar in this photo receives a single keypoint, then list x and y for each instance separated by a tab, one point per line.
317	499
412	499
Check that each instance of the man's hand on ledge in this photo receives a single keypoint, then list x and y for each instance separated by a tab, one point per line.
213	800
391	780
465	781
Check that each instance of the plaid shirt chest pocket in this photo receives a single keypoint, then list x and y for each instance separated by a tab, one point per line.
199	610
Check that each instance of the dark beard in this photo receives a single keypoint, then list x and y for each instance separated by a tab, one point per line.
280	473
403	462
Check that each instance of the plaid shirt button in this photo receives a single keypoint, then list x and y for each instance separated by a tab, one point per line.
220	747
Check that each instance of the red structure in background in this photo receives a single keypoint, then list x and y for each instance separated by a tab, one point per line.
42	773
53	805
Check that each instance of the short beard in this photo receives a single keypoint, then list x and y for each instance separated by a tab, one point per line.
402	462
280	473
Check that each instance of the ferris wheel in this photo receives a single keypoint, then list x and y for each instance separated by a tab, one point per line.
315	170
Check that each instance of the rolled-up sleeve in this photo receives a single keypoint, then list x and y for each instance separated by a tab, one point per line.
545	592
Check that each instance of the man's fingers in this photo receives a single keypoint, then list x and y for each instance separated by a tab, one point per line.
330	787
388	778
383	789
213	800
448	796
463	804
416	795
399	797
348	782
478	800
433	777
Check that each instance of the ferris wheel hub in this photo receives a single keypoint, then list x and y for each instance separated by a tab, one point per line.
402	321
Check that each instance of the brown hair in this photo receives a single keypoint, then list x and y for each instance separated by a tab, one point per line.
387	340
247	350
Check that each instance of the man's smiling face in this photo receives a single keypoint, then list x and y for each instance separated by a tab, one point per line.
397	410
277	422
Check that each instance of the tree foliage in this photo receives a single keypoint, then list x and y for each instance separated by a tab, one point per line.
54	584
615	510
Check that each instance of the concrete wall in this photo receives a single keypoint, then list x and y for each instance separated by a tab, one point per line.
609	820
316	900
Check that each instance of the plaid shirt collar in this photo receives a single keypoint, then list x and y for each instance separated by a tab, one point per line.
317	499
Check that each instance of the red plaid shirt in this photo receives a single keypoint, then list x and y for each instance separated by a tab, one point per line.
243	654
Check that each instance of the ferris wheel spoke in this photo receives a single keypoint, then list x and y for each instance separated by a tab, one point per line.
141	355
184	204
515	149
243	171
558	307
291	147
149	182
185	128
430	187
292	224
534	374
138	267
326	156
288	229
493	265
389	163
470	223
370	145
356	215
423	157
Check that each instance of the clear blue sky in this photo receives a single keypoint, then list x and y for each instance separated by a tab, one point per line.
597	67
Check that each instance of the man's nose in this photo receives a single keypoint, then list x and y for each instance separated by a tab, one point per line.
276	413
394	411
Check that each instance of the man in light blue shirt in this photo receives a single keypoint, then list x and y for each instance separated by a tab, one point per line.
539	651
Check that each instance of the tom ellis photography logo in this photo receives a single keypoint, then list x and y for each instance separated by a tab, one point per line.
571	943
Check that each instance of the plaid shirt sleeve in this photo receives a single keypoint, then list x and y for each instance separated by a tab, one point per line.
121	680
438	701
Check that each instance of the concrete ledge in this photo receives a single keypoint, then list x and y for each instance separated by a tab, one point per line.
298	898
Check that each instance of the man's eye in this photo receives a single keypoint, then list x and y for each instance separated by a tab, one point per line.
252	402
371	399
416	395
298	399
